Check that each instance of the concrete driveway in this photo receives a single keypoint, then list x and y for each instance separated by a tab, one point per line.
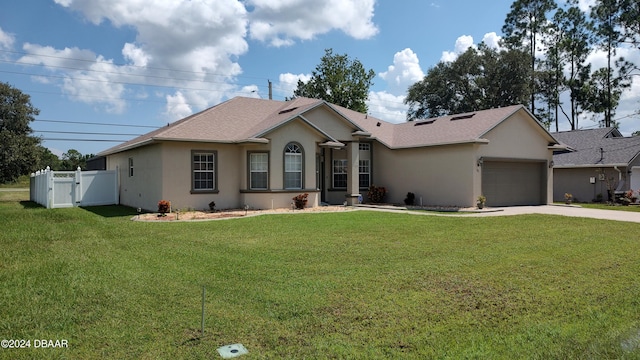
562	210
573	211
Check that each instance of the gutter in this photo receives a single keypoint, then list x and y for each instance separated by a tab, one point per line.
585	166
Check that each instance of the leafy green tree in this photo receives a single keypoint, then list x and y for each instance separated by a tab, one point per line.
18	148
630	22
47	158
604	92
607	16
338	80
573	47
525	26
478	79
73	159
432	96
505	77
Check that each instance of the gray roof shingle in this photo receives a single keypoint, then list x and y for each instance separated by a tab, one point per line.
596	147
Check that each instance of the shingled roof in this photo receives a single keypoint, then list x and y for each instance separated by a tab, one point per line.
244	119
596	147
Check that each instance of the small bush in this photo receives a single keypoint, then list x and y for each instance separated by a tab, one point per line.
376	193
300	201
410	199
163	207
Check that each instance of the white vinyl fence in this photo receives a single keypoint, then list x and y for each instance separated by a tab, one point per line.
57	189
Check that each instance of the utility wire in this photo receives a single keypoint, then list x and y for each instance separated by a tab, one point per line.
100	140
83	133
92	123
122	64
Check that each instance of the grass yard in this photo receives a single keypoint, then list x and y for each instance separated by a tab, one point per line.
359	285
634	208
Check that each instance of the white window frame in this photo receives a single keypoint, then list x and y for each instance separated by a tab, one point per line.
365	170
200	167
293	164
261	167
339	167
130	167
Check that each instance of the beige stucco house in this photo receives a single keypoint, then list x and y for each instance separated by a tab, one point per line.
261	153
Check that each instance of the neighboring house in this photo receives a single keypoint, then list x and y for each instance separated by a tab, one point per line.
261	153
597	163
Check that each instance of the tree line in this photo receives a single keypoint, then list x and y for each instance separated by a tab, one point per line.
543	56
20	152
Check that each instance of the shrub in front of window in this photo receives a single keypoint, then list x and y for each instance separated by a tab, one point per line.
300	201
376	193
163	207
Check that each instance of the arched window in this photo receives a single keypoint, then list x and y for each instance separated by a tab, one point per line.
293	166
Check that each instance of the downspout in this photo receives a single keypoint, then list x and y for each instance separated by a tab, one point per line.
615	167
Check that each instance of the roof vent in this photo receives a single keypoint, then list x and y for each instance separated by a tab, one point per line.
460	117
287	110
378	123
425	122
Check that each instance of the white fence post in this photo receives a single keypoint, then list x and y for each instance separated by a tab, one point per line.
50	193
77	187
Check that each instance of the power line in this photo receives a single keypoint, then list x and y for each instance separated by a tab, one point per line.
139	75
83	133
100	140
93	123
124	65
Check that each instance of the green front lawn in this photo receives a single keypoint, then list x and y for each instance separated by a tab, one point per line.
359	285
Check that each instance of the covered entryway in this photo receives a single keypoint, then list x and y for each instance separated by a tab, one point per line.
510	183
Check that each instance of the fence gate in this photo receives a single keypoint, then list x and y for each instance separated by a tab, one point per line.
57	189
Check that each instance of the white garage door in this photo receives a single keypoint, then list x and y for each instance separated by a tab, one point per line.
507	183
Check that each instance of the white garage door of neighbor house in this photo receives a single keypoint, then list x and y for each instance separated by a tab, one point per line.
506	183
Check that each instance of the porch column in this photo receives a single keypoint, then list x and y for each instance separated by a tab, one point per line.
353	172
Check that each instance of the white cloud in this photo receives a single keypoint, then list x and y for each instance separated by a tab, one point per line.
387	106
6	40
281	22
585	5
463	43
404	72
287	83
492	40
200	39
177	107
95	80
135	55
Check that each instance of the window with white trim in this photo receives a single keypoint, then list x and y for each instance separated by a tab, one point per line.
364	164
259	171
340	173
365	173
203	166
130	167
293	166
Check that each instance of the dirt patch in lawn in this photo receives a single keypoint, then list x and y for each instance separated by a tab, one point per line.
231	213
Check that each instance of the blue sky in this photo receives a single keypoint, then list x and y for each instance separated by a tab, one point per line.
147	63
